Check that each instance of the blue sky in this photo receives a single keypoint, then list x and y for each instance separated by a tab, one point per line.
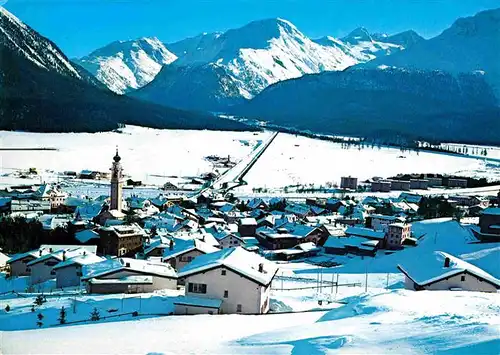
80	26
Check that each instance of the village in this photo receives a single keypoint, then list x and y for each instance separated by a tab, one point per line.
205	251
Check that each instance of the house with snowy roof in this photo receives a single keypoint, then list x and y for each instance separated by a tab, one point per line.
239	278
87	236
489	225
367	233
225	238
380	222
69	272
257	203
247	227
442	271
183	252
126	275
299	251
42	268
121	240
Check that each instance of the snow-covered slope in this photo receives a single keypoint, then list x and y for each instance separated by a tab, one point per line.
470	44
126	65
255	56
42	52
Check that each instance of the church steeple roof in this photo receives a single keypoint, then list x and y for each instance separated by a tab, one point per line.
117	158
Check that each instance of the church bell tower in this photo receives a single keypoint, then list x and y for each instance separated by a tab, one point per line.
116	183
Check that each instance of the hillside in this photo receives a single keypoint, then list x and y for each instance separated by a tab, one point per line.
43	91
127	65
382	103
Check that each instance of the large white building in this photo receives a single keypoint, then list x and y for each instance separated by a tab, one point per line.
238	278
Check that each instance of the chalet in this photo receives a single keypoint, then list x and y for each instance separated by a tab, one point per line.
442	271
158	246
410	197
126	275
257	203
42	268
333	204
299	210
121	240
225	238
89	174
240	279
69	272
183	252
247	227
290	235
299	251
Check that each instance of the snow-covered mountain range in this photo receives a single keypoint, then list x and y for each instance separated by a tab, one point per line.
126	65
253	57
470	44
443	88
41	90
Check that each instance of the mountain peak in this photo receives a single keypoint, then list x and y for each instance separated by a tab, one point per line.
360	34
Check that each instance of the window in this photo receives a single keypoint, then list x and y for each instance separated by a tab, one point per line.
462	278
52	272
78	273
223	272
238	308
210	312
197	288
226	294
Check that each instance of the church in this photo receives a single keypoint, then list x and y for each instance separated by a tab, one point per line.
115	208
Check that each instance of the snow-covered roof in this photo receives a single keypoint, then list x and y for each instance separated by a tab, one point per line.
141	266
132	279
86	235
183	246
365	232
83	259
238	260
429	268
248	221
198	301
68	252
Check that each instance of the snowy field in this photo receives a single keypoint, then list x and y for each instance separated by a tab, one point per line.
380	321
144	151
289	160
300	160
369	312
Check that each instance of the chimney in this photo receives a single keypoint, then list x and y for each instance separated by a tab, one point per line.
447	262
64	255
171	247
261	267
50	250
127	264
40	252
84	253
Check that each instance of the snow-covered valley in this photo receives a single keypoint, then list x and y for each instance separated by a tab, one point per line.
152	155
